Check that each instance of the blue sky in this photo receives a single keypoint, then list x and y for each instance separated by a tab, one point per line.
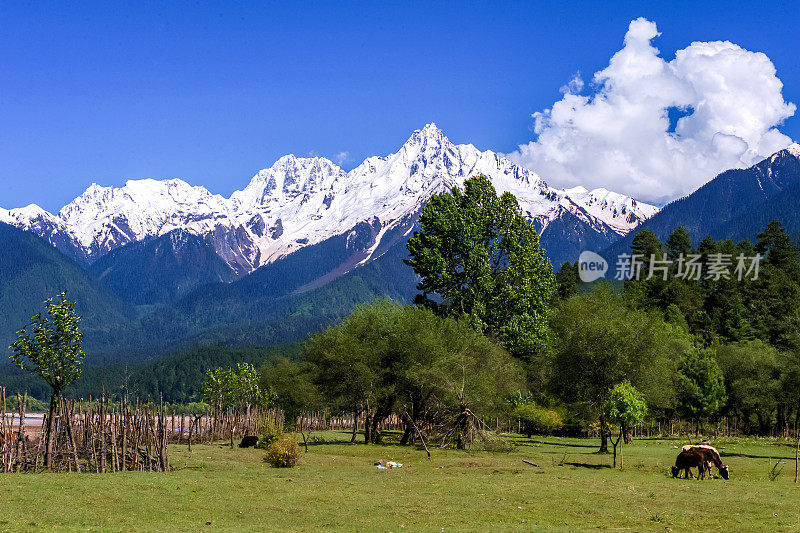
104	92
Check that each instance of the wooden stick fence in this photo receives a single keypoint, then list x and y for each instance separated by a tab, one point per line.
96	436
102	436
130	435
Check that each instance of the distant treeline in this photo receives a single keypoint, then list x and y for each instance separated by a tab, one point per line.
179	376
745	332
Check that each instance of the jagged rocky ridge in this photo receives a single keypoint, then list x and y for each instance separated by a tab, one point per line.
737	204
300	202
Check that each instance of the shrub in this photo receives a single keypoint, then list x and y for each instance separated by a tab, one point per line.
495	443
283	452
536	419
268	433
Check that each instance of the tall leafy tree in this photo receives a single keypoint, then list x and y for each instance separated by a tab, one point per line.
701	387
679	242
387	358
752	378
478	257
779	249
352	363
645	287
236	390
291	384
567	280
599	342
646	243
774	298
54	352
627	407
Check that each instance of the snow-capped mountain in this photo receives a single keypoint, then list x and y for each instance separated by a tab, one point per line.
103	219
300	202
51	228
736	204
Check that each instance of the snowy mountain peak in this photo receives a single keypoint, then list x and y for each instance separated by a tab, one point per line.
31	217
288	178
620	212
300	201
430	134
794	149
27	212
104	218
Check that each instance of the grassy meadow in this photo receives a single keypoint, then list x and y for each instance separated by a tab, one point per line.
336	487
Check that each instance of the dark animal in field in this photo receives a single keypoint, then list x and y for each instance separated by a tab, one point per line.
687	460
712	457
702	457
249	441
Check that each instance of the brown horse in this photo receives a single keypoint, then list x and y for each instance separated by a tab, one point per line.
712	457
687	460
702	457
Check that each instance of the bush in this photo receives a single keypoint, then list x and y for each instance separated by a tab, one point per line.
495	443
34	405
268	433
284	452
537	419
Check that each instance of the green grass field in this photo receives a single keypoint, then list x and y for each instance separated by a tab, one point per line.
336	487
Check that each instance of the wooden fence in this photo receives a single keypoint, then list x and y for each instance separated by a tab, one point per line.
102	436
93	436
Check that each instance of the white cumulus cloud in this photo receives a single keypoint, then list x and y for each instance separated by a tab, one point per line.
619	137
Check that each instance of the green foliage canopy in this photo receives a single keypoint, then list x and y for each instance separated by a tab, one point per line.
625	405
388	358
291	384
701	387
55	349
478	257
235	387
752	378
600	342
534	418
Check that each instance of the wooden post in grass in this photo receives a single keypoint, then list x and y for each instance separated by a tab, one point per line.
5	432
125	418
21	453
614	444
69	413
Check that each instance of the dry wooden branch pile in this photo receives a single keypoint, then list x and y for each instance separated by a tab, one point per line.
96	436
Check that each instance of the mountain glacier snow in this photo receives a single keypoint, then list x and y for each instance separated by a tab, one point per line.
299	202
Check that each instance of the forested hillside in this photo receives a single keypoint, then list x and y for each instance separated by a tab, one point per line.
161	270
736	205
32	270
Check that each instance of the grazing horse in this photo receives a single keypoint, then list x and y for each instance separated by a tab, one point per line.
702	456
712	457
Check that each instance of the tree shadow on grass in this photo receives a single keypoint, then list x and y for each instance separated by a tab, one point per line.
562	444
751	456
588	465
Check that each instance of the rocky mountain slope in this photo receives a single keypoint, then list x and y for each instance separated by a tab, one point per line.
736	204
300	202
